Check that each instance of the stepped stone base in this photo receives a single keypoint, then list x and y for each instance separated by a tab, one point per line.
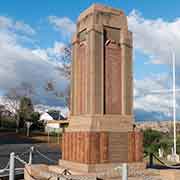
97	168
80	171
136	171
170	174
44	172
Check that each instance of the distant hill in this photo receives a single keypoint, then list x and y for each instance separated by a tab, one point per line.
141	115
163	126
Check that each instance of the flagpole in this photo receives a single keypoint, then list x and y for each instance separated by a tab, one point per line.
174	98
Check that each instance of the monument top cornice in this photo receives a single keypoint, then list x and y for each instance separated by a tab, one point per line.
100	8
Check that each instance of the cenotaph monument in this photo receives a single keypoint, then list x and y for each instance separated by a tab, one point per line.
100	132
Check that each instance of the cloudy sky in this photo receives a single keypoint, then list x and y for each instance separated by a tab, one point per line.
33	34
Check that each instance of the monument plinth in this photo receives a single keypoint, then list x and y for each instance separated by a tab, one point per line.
100	131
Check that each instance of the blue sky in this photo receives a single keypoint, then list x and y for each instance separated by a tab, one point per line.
32	32
31	10
35	12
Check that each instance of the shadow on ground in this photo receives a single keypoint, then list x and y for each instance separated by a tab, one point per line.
14	138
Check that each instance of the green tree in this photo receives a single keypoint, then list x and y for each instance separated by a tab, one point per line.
34	118
26	109
11	100
13	97
152	140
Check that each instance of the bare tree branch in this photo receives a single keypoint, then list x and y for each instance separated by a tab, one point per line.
66	61
65	70
13	96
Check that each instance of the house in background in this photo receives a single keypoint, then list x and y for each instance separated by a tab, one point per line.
54	121
45	117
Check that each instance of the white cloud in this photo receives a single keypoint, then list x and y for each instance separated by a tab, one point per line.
5	22
57	50
63	24
155	36
147	98
53	54
19	63
25	28
152	98
9	24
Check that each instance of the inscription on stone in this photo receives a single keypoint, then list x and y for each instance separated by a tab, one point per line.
113	85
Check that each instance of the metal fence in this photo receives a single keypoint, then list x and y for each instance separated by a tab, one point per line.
65	175
122	171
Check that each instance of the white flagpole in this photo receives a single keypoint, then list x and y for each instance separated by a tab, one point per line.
174	98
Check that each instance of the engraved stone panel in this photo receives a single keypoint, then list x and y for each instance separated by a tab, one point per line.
102	147
85	147
118	147
113	97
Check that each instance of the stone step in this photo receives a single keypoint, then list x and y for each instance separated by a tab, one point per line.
44	172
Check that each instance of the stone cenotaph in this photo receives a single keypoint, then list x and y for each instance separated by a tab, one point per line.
101	132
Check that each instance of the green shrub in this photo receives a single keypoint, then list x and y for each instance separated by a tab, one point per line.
152	140
8	122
